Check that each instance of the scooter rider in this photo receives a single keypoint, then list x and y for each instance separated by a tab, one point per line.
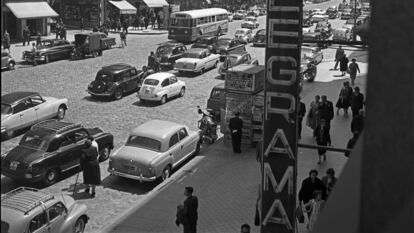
207	126
310	72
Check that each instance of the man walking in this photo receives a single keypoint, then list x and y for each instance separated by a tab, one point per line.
326	112
26	36
302	112
353	68
357	102
123	36
236	125
152	62
338	56
190	215
6	41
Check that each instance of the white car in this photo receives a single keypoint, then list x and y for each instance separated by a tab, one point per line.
20	110
197	60
250	22
244	35
313	54
160	87
319	18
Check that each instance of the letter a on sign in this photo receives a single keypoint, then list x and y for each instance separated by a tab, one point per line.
277	204
280	134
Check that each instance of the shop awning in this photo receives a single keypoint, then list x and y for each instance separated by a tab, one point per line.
156	3
125	8
30	10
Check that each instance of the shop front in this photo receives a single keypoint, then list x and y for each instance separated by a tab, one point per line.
88	11
16	15
119	9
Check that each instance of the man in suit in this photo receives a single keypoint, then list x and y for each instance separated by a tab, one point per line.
190	215
357	102
236	125
302	112
326	111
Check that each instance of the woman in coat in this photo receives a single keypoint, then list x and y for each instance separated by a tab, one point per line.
322	139
344	100
90	167
343	65
312	119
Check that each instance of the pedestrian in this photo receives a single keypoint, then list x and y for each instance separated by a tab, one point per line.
343	65
351	142
353	69
236	125
125	25
338	56
357	123
82	23
153	18
90	166
136	23
26	36
315	206
323	138
326	111
312	119
6	40
34	51
357	102
123	36
245	228
309	185
63	33
190	214
329	180
302	112
38	39
118	25
146	22
152	62
57	31
142	22
344	99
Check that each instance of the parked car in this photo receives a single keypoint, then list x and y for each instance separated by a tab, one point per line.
31	210
342	34
160	87
230	17
107	42
7	61
317	12
262	12
244	35
332	9
319	18
153	150
307	22
313	54
115	81
250	22
167	53
346	13
50	148
206	42
49	50
87	44
197	60
324	27
259	38
20	110
217	101
235	59
253	13
240	14
227	45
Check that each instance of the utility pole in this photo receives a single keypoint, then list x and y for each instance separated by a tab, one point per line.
355	19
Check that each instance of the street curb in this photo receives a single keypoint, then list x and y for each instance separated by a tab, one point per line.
148	33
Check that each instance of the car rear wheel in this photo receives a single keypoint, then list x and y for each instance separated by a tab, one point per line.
118	93
104	153
11	65
94	54
182	91
61	112
163	99
166	173
79	225
202	70
52	176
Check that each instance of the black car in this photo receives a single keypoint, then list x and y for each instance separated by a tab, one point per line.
259	38
227	45
50	148
115	80
50	49
167	53
207	42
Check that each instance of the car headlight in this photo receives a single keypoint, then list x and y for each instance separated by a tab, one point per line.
186	31
4	155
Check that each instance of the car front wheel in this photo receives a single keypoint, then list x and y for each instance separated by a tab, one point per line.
104	153
163	99
11	65
182	91
166	173
51	176
118	93
79	226
61	112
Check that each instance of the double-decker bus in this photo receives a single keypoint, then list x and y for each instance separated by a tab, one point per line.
187	26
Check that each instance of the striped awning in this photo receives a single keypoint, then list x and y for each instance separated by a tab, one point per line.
125	8
156	3
30	10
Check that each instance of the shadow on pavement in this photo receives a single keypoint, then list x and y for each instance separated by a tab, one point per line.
128	185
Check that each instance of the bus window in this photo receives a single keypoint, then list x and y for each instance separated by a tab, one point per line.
213	18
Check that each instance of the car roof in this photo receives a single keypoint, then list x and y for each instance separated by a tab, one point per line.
55	126
242	29
250	17
116	68
14	97
171	44
199	13
157	129
160	76
247	68
196	50
24	199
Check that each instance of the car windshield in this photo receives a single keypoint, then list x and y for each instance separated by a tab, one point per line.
191	55
202	41
261	32
223	42
164	50
231	60
250	19
102	77
347	11
240	32
240	12
34	141
144	142
6	109
151	82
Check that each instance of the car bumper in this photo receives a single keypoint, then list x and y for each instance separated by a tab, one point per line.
21	176
99	94
134	177
149	97
37	58
186	69
165	63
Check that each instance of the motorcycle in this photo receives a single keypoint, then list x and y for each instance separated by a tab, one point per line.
207	126
310	73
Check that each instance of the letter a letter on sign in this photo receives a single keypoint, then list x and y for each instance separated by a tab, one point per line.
281	150
277	204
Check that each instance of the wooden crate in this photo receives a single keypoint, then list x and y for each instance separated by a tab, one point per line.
245	78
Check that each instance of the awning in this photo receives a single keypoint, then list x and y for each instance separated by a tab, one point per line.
29	10
125	8
156	3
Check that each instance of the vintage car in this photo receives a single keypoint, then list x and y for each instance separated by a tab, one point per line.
206	42
107	42
240	14
227	45
197	60
20	110
313	54
325	28
244	35
259	38
307	22
350	24
153	150
250	22
30	210
254	13
314	39
332	10
217	101
342	34
319	18
346	13
160	87
317	12
50	148
235	59
7	62
115	81
49	50
87	44
168	52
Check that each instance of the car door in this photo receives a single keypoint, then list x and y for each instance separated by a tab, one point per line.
186	143
174	149
44	110
176	53
26	113
66	153
125	81
166	87
175	88
133	84
57	214
4	59
39	223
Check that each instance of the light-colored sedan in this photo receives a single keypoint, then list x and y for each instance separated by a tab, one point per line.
313	54
153	150
250	22
160	87
197	60
244	35
235	59
22	109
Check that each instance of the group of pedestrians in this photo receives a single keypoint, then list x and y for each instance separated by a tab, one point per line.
342	60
